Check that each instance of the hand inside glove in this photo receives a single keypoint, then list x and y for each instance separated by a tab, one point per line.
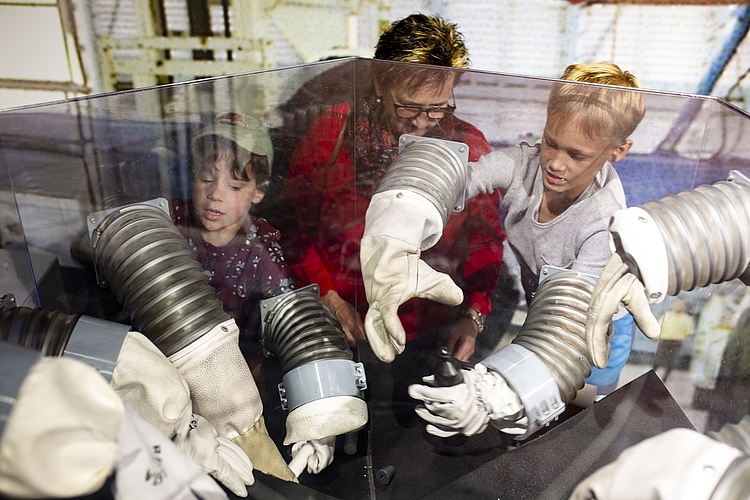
218	456
315	455
398	226
223	391
69	431
148	465
145	379
468	407
616	284
394	274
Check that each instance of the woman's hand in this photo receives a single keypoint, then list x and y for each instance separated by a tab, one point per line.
462	338
347	315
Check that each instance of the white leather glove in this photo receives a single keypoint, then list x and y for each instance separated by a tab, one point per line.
223	391
145	379
148	465
221	386
399	225
315	455
615	285
677	464
61	436
218	456
466	408
634	233
68	431
150	383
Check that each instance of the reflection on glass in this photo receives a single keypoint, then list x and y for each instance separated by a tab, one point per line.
333	137
335	170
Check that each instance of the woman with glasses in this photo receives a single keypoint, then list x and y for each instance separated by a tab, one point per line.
340	161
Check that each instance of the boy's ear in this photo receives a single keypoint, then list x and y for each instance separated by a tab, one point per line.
258	196
619	152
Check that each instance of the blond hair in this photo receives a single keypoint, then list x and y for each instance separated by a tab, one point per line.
603	111
603	72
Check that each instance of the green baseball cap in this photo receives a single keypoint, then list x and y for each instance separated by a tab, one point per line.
245	131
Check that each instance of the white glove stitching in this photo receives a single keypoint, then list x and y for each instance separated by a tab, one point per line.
221	458
466	408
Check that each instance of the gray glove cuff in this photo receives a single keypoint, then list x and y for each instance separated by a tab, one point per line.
15	363
532	381
320	379
97	343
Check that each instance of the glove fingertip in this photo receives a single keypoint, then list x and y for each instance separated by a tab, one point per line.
450	293
372	318
415	391
435	431
440	288
395	337
650	328
237	487
598	347
236	458
600	363
206	487
386	354
377	334
457	294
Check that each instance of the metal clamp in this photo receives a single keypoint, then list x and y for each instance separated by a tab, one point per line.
532	381
322	379
97	343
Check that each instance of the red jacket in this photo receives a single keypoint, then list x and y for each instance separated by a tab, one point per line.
329	204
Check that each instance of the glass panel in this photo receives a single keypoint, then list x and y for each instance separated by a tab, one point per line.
17	286
334	130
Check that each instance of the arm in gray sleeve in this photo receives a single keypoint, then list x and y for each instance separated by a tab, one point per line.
594	253
492	171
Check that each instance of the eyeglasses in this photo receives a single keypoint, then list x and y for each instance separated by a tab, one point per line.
433	112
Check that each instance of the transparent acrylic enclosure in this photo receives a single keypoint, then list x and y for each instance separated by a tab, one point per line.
61	161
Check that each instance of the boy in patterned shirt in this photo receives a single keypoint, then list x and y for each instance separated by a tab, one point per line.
231	163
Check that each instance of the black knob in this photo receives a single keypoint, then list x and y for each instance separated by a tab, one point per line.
447	369
447	374
385	475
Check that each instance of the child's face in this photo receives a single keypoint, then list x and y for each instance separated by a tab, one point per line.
570	159
222	202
